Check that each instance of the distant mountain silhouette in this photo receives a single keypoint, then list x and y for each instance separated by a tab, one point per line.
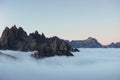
91	43
17	39
88	43
113	45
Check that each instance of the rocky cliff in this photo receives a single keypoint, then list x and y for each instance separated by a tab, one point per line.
13	38
17	39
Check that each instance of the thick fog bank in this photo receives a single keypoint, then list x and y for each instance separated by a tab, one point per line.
89	64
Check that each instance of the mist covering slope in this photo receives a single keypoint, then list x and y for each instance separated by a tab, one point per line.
89	64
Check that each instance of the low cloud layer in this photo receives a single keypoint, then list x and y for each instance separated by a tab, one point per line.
89	64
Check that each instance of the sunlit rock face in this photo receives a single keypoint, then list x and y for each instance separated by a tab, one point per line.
88	43
17	39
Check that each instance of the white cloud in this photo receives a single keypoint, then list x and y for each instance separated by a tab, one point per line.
89	64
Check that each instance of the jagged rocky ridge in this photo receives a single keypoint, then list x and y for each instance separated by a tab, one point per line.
91	43
17	39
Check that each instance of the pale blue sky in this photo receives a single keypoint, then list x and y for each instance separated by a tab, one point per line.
67	19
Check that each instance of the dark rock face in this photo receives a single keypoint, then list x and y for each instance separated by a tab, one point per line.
51	47
17	39
88	43
75	50
12	38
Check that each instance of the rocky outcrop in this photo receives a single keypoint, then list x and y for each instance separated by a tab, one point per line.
13	38
88	43
75	50
51	47
17	39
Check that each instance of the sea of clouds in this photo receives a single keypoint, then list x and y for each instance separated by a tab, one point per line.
88	64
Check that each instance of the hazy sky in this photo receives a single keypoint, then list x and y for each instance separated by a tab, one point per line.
67	19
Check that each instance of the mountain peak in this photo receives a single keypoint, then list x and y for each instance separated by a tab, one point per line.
20	28
14	27
17	39
36	32
7	28
89	39
88	43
